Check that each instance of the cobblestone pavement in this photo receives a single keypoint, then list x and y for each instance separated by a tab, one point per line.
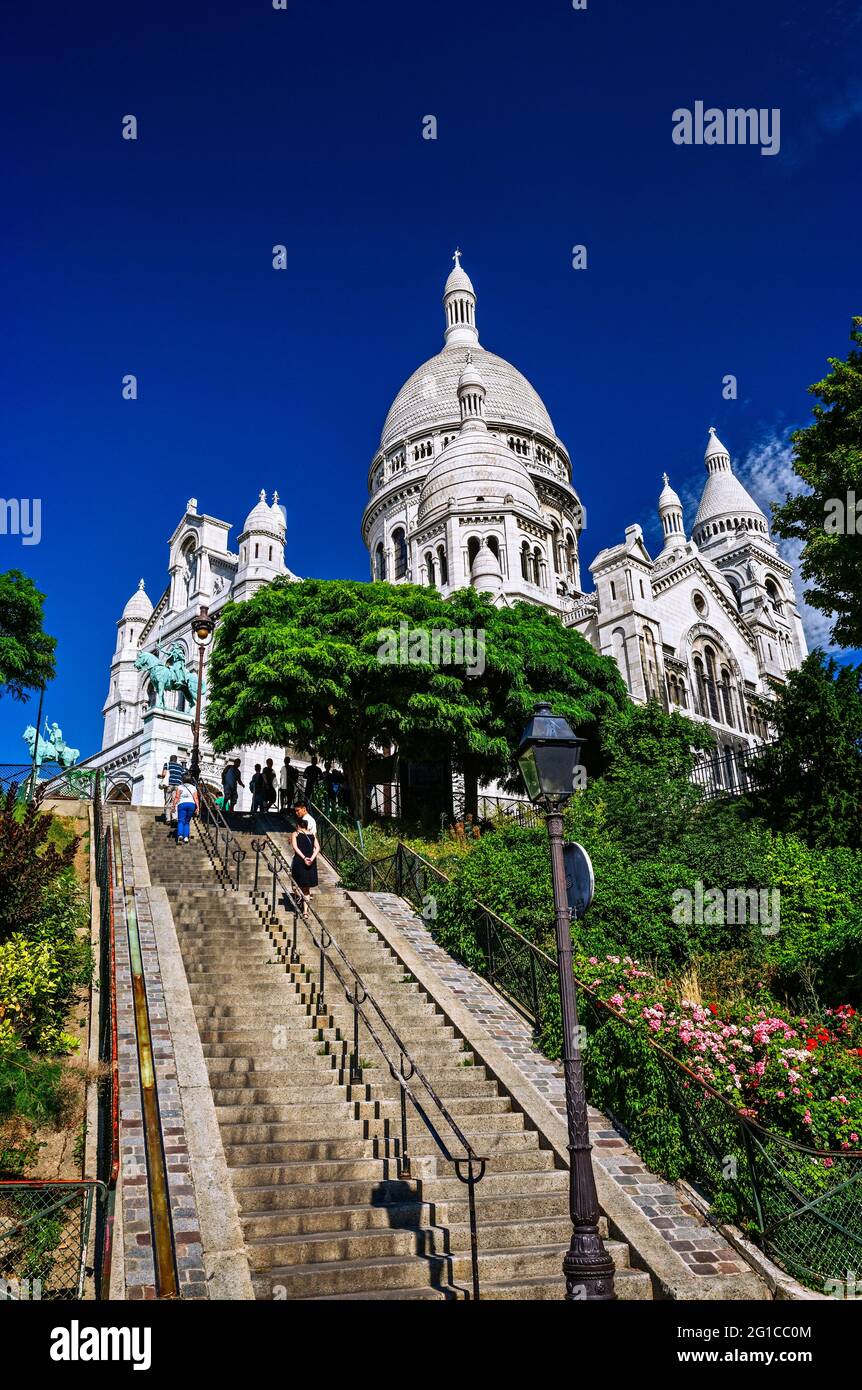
678	1222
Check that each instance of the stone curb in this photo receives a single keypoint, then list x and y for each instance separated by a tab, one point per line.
671	1277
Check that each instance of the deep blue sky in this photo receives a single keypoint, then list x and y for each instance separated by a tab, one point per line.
304	127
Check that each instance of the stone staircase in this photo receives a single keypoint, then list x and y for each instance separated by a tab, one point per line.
313	1156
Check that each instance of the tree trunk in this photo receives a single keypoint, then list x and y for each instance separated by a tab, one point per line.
355	770
471	790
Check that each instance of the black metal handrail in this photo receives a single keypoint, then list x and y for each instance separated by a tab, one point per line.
786	1189
282	886
222	843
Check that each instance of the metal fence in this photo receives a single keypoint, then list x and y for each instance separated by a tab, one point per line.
44	1236
56	1232
801	1205
731	773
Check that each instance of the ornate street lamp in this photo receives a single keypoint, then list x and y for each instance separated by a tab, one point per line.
202	631
549	759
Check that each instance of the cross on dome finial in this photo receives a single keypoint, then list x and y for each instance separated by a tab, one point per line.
141	585
665	479
457	256
262	495
275	498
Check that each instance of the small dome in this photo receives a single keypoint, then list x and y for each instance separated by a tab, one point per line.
264	518
458	280
485	573
277	510
714	446
139	605
667	497
470	377
477	468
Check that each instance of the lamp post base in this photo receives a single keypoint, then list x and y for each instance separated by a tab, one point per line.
588	1270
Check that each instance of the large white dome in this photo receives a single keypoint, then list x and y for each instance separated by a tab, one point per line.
429	398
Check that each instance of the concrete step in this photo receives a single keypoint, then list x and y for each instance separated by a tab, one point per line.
369	1276
315	1221
322	1196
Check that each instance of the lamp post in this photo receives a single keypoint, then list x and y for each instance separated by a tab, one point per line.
549	757
202	631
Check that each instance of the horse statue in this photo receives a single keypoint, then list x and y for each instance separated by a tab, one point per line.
170	674
52	749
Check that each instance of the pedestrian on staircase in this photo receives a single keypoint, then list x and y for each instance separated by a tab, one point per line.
288	778
270	777
259	792
187	804
231	782
313	778
304	867
171	777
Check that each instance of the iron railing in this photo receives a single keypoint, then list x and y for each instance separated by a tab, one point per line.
731	773
490	807
802	1205
273	882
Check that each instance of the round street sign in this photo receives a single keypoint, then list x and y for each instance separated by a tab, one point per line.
580	879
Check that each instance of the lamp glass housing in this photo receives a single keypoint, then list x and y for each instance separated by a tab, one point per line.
549	756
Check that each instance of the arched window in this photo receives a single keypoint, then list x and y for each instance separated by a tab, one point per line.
474	545
443	565
571	555
556	549
399	546
429	567
525	560
538	566
379	561
494	546
774	596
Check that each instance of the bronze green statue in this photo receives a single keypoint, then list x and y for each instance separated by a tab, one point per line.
169	674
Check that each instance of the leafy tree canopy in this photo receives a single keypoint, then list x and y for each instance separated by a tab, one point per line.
26	651
810	778
320	664
828	458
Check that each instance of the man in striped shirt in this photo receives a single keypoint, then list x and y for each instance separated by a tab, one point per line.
172	776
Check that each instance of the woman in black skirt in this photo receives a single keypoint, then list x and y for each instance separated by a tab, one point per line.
304	867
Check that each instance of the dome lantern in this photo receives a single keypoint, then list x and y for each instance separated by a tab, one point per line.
471	397
670	515
459	302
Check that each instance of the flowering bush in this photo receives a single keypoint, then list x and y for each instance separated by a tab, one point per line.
792	1076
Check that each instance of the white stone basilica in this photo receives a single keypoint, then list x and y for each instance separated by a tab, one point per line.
471	485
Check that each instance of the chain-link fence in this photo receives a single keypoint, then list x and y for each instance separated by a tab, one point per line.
44	1237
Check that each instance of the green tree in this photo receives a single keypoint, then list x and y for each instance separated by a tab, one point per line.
319	664
828	458
26	651
529	656
647	791
810	778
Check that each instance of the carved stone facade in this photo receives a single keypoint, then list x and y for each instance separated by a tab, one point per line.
471	485
138	736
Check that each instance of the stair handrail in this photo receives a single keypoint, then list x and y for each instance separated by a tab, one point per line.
358	995
215	817
279	868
